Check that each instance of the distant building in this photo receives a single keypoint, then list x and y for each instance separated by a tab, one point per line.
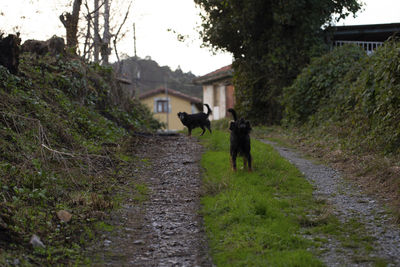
218	91
369	37
165	104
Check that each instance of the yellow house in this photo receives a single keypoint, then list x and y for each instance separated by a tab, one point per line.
166	103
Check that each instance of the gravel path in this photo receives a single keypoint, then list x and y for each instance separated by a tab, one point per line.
165	230
349	203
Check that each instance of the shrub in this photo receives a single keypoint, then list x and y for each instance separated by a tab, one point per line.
319	83
357	95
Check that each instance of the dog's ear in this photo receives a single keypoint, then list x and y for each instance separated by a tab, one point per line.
231	125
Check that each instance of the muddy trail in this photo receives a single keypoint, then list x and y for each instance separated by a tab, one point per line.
166	229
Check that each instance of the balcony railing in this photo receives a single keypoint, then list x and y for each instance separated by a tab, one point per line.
369	47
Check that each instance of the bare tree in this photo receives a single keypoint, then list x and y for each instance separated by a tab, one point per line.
88	37
92	41
70	22
105	50
115	40
96	41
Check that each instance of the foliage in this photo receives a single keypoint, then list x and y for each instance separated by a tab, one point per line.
363	100
376	98
318	83
271	42
60	150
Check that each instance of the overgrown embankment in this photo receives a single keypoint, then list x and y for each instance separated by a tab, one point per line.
347	104
64	126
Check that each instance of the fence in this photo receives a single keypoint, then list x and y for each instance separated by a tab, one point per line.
369	47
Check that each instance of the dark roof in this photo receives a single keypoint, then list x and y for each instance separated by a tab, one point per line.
217	75
367	32
192	99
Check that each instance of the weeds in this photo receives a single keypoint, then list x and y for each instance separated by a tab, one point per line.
58	151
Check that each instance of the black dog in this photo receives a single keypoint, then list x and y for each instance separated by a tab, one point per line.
192	121
240	140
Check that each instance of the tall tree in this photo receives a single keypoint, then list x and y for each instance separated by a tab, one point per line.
70	22
271	41
96	41
105	46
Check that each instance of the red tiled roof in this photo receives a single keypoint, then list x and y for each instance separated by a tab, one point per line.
192	99
222	73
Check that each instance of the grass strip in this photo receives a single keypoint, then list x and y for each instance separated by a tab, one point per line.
255	219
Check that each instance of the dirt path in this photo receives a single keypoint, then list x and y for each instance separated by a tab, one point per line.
166	230
350	203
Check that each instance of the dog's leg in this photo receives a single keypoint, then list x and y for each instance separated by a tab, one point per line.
244	163
204	130
233	162
209	126
189	131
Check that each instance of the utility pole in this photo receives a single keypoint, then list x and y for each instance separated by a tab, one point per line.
137	74
166	96
134	39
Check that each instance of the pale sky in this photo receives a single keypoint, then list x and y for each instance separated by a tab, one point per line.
38	19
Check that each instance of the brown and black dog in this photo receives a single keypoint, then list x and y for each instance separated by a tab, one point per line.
240	140
192	121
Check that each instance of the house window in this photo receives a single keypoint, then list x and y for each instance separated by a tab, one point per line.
162	106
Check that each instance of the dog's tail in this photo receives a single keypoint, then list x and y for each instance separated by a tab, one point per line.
209	111
231	110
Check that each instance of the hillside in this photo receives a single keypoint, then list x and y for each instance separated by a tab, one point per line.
64	129
153	76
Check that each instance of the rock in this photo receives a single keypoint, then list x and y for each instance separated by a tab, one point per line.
139	242
64	216
36	242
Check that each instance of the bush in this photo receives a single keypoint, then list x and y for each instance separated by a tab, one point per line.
377	96
357	95
319	83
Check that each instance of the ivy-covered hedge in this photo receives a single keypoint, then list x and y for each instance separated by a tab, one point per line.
356	94
319	84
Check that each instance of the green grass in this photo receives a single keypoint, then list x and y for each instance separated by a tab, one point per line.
262	218
255	219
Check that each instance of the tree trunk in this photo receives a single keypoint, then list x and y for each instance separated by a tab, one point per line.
97	41
105	50
70	22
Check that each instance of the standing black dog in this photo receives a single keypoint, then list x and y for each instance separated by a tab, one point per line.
192	121
240	140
